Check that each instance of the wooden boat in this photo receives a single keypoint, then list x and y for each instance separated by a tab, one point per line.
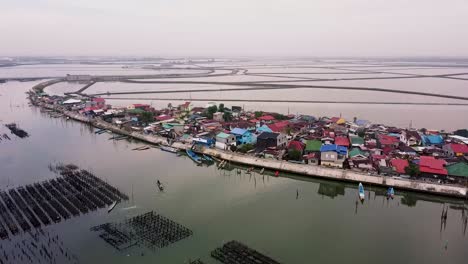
361	192
111	207
390	193
194	156
99	131
144	148
169	149
160	186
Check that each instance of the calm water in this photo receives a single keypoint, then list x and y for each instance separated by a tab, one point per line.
323	225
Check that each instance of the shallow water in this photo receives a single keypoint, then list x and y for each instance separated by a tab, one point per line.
322	225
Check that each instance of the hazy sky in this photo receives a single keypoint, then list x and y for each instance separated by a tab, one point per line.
233	28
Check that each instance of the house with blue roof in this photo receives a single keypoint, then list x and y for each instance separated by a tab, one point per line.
244	136
264	128
432	140
333	155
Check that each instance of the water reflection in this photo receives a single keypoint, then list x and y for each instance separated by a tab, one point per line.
331	190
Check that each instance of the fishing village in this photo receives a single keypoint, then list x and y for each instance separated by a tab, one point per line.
356	150
90	177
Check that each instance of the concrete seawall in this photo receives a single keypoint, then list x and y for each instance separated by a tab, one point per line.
284	166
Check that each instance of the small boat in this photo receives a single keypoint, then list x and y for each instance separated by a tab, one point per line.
390	193
277	173
111	207
99	131
160	186
361	192
194	156
169	149
207	158
144	148
262	170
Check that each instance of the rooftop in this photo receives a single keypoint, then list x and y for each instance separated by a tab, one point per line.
339	149
459	169
266	118
459	148
313	145
342	141
238	131
268	135
223	135
432	165
400	165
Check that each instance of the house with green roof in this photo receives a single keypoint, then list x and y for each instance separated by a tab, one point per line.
358	153
359	158
356	141
312	146
459	170
224	140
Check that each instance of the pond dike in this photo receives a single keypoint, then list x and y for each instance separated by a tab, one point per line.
282	166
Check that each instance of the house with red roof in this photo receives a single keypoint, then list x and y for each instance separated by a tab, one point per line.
297	145
386	140
138	106
431	166
185	106
455	150
99	102
399	165
342	141
266	118
279	126
164	118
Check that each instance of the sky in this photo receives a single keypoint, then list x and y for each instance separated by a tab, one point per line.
316	28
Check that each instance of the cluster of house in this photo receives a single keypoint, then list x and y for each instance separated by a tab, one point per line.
334	142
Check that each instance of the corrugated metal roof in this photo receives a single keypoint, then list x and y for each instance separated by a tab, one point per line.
400	165
335	148
223	135
431	165
238	131
458	169
313	145
357	140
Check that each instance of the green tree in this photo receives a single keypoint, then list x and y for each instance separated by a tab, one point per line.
258	114
227	116
361	132
423	130
288	130
147	117
280	116
295	154
210	111
244	148
412	170
221	107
